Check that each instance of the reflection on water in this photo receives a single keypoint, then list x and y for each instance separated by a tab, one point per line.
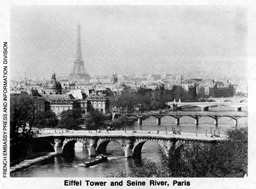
67	167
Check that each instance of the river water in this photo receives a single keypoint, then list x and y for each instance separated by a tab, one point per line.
68	167
65	167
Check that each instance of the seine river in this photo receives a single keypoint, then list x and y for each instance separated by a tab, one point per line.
64	167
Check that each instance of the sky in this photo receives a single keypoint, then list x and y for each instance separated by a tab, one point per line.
209	40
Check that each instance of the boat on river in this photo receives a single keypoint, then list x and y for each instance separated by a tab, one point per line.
95	161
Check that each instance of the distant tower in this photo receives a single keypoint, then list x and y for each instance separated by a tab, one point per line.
114	77
78	71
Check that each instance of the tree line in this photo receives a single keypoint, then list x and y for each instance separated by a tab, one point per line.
148	99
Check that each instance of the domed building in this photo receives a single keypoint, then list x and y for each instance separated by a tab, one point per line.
53	87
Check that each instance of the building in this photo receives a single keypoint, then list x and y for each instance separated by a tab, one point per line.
63	102
179	79
222	90
53	87
99	102
186	84
58	102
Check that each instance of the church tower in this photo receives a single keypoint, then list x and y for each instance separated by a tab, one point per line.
114	77
78	71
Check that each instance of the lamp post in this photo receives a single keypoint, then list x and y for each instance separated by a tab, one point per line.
125	126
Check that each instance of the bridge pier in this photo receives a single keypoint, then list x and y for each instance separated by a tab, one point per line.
128	148
239	109
196	121
177	121
158	121
167	146
139	121
236	123
92	147
205	108
216	122
58	143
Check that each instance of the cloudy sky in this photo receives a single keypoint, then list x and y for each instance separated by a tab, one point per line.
130	39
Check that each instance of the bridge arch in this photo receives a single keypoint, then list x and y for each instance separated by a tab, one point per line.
242	122
173	116
138	147
68	148
229	107
228	117
168	122
103	144
227	122
148	117
102	147
202	118
150	120
184	117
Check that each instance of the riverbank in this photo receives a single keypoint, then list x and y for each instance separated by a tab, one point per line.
29	162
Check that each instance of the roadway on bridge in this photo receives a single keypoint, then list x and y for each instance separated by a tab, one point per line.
129	133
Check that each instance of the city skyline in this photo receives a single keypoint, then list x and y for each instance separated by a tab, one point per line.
207	40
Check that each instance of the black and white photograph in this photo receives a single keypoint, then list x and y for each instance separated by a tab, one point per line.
126	95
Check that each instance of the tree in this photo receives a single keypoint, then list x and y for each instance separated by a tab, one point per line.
95	120
223	159
123	121
98	119
178	92
23	112
191	94
70	119
144	100
119	123
127	101
46	119
88	121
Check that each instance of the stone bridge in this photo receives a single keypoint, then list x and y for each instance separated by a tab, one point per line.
230	99
196	115
131	142
204	106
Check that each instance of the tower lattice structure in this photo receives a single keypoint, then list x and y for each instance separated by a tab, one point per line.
78	71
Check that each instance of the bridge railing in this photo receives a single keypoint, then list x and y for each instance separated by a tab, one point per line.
77	133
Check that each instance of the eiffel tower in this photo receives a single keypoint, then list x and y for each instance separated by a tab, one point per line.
78	71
